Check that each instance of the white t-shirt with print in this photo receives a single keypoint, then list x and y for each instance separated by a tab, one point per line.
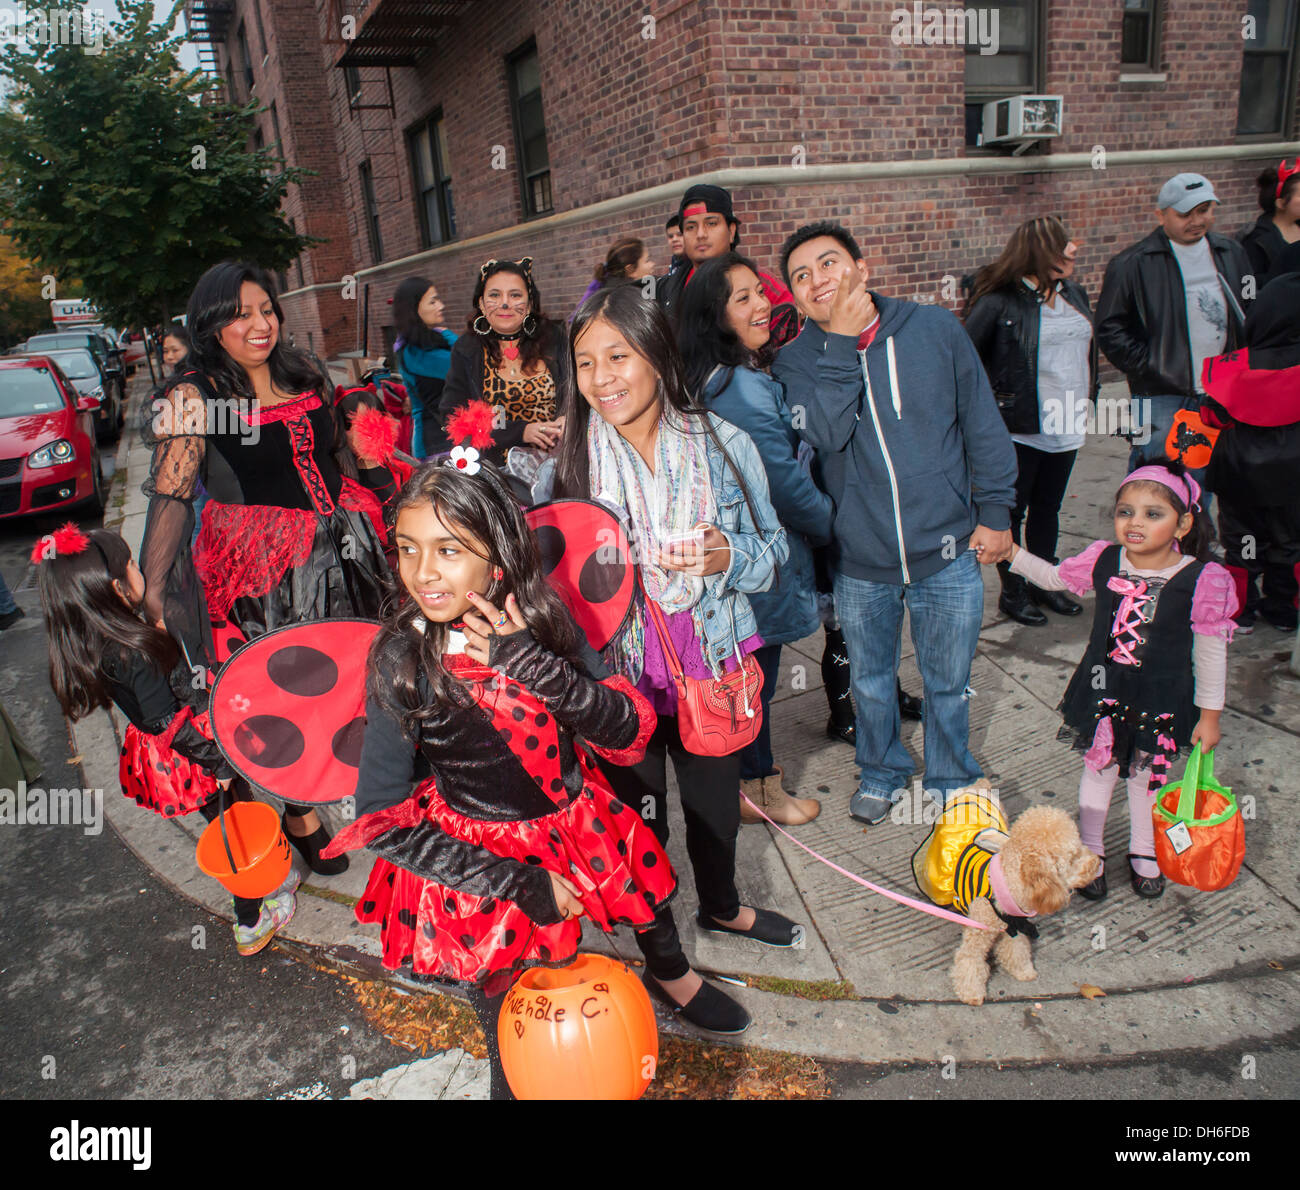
1207	311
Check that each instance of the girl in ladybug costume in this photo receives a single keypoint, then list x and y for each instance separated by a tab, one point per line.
102	652
478	789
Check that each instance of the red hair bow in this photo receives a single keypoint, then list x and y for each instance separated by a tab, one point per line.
66	540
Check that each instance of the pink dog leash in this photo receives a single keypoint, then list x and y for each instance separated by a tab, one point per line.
933	910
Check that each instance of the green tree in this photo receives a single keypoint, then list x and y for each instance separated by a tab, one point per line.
122	170
23	308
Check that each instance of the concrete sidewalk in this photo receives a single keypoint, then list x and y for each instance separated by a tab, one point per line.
1190	970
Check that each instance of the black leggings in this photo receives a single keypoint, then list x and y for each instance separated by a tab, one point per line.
488	1009
1040	487
710	787
247	909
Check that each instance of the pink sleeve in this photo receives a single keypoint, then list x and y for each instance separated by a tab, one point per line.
1214	602
1076	572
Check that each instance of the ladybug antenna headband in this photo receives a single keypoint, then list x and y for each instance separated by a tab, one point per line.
65	542
1284	171
470	428
1182	486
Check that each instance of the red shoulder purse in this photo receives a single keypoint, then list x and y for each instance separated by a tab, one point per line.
715	716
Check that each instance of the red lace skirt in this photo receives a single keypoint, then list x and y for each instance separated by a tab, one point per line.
161	779
595	841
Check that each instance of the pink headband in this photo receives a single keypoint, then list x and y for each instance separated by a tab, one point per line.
1185	487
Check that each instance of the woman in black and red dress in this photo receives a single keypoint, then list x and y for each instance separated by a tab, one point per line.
287	534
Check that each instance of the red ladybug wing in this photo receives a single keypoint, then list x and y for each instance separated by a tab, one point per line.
288	709
586	557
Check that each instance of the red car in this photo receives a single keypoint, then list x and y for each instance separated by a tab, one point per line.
49	458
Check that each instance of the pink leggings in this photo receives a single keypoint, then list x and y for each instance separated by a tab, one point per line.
1095	789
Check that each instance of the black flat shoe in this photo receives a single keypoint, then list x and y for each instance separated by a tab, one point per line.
771	929
1096	891
848	734
1055	601
1020	609
1148	887
11	618
708	1009
909	706
310	847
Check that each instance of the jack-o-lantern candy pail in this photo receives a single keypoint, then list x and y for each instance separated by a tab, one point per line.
583	1031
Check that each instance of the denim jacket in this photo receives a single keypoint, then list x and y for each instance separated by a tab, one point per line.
754	401
723	616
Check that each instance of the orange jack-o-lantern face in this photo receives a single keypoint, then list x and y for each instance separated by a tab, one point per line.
583	1031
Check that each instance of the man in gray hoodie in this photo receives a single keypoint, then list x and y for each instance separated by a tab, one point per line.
918	461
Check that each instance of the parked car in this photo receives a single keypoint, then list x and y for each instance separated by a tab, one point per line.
132	345
90	378
85	337
49	456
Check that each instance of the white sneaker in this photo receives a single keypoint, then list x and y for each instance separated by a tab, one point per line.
276	912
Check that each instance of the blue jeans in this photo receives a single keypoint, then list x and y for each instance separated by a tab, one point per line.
7	603
1157	415
946	611
756	758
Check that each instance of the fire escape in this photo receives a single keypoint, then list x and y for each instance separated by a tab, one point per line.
208	24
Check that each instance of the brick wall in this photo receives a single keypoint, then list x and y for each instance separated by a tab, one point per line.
725	83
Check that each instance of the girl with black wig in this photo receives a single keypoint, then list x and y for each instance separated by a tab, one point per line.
103	653
495	828
288	534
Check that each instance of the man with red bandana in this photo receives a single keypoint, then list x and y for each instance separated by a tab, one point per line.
710	228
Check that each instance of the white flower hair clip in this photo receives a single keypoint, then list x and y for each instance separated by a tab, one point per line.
465	458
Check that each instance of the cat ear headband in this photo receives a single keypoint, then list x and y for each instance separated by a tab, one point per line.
526	264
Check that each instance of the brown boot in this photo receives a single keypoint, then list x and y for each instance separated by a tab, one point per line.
752	789
777	804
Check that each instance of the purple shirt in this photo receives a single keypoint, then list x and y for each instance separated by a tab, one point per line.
655	683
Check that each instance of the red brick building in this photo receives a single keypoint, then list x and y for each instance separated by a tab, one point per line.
447	133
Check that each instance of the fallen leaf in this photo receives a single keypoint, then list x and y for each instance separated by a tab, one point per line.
1275	965
76	759
1090	991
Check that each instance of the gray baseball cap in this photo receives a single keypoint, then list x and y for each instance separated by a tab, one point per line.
1185	191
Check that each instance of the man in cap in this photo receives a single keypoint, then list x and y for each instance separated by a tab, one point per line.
1168	303
710	228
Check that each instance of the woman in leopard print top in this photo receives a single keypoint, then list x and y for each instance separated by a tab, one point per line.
512	360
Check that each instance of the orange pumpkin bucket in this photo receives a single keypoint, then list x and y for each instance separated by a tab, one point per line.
1200	838
245	849
583	1031
1190	439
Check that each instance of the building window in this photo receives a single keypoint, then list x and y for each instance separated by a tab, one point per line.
297	261
530	129
275	130
245	58
261	29
232	93
370	208
432	185
352	85
1140	40
1016	68
1268	68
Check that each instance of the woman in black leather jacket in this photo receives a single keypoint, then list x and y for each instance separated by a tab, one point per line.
1032	327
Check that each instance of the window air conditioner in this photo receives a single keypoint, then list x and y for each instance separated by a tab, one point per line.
1021	118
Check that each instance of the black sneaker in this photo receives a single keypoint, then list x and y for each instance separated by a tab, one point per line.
708	1009
10	618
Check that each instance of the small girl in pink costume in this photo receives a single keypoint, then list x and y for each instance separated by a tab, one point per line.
1151	682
